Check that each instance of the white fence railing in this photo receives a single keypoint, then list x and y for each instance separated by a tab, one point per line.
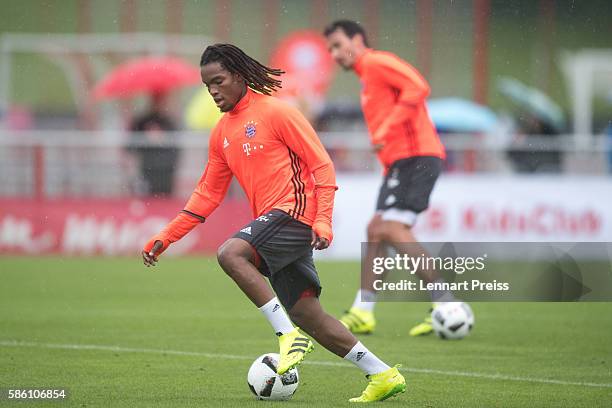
110	164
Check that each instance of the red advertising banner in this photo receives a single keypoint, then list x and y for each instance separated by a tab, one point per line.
108	227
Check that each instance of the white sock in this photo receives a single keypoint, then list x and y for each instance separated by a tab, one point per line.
365	300
277	317
365	359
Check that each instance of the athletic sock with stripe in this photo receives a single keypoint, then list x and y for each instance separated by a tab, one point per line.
366	360
277	317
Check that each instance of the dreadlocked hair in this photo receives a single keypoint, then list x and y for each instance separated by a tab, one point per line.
258	77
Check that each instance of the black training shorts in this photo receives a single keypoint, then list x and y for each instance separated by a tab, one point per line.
408	184
283	243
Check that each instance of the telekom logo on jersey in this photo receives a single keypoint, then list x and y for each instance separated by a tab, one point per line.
247	148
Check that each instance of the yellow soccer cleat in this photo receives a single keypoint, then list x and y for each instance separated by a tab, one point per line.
359	321
293	348
382	386
422	329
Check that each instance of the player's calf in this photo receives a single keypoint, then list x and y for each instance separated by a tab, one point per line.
335	337
325	329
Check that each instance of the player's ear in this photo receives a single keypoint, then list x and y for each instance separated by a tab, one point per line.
359	38
238	78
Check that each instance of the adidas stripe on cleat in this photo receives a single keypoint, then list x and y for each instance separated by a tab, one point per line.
359	321
293	348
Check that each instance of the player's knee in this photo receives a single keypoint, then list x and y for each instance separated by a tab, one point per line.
390	231
223	257
374	230
227	255
383	232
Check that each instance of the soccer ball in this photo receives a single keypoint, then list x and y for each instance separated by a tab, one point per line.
266	384
452	320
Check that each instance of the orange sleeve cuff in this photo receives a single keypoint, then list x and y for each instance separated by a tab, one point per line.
175	230
323	230
149	245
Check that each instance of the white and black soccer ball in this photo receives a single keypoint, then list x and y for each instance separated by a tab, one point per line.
452	320
266	384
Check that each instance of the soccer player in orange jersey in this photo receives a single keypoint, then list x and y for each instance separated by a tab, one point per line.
289	180
393	97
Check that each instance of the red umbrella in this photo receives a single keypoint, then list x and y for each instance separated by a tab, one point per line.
149	75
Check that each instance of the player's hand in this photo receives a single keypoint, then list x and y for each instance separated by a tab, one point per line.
149	258
319	242
377	147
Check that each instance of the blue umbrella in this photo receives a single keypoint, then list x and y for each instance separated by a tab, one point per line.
533	101
461	116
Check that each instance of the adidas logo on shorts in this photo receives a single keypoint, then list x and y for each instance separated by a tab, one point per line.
246	230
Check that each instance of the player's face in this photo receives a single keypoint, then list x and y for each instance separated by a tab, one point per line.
342	48
225	88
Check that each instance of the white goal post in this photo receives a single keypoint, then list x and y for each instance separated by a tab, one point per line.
587	73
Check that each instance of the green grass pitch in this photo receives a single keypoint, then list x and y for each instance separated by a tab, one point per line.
117	334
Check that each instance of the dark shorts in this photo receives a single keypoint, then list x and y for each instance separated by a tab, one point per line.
283	243
408	184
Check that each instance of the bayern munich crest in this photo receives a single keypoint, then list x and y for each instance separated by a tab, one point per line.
250	129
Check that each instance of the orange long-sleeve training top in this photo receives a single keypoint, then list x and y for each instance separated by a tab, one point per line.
278	160
393	97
